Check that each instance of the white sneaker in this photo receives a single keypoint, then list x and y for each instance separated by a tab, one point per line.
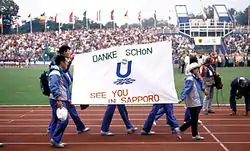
198	138
199	122
147	133
177	132
84	130
107	133
154	123
1	144
132	130
56	145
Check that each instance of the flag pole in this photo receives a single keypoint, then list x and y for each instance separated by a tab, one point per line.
1	24
30	24
87	23
2	29
45	23
17	26
248	23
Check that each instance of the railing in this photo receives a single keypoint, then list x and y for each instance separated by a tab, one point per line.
206	25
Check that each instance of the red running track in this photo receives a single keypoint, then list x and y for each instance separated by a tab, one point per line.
24	129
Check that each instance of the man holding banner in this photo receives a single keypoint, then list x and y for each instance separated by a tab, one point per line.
80	127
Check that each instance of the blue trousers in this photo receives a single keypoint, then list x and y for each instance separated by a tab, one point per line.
73	113
232	102
167	109
170	117
57	126
109	115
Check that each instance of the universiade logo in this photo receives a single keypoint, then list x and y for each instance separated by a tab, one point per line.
124	77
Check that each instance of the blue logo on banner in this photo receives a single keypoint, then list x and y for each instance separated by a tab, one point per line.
124	77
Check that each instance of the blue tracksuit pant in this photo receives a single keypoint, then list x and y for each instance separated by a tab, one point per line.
170	117
57	126
168	109
109	115
73	113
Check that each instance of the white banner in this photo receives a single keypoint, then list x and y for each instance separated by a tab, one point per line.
207	40
133	74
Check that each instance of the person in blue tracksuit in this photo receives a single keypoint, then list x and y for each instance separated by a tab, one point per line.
80	127
108	118
192	94
60	94
170	117
146	130
240	86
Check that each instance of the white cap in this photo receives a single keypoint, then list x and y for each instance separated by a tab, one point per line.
193	66
62	113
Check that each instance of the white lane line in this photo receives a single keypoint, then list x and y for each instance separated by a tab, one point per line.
120	133
118	125
120	143
94	114
216	139
119	119
102	110
129	105
10	121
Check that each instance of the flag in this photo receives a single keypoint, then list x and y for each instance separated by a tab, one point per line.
112	15
71	17
55	19
155	15
42	18
139	16
85	19
28	19
1	21
126	16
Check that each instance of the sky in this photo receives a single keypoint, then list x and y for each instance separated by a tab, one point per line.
164	8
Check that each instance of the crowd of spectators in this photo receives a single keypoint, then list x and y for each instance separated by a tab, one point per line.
33	47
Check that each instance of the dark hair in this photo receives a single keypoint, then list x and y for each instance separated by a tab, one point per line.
208	61
59	59
243	83
193	59
63	49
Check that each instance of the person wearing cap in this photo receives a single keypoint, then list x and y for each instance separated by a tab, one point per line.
192	95
108	118
80	127
240	86
60	95
207	73
187	115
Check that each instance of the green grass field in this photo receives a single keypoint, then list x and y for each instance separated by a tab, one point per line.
20	86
